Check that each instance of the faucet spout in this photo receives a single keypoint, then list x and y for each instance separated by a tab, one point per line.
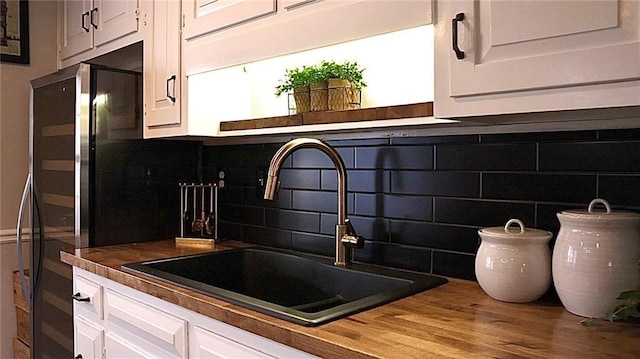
346	238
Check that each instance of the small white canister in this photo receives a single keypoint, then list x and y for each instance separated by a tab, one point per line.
595	258
514	265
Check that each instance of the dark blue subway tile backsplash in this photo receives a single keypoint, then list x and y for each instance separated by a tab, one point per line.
481	213
419	201
436	183
294	220
483	157
591	156
622	190
312	158
372	181
265	236
394	157
529	186
313	243
394	206
561	136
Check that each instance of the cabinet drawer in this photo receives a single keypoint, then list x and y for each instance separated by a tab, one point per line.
120	348
212	345
87	297
161	329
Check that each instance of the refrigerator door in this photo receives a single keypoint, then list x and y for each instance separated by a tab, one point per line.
58	138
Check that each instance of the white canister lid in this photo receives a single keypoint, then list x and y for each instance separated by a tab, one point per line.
511	231
592	213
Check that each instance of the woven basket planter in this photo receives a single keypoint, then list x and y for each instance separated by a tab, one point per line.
342	95
302	98
319	96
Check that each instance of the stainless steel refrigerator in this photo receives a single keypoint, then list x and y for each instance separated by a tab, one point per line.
72	111
93	181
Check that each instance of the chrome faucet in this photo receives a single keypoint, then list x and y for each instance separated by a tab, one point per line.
346	237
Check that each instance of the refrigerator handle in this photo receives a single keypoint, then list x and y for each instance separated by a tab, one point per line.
23	279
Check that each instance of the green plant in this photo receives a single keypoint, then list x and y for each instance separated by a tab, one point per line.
296	77
629	309
347	70
307	75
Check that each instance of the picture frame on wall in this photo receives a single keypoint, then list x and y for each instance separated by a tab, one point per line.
14	31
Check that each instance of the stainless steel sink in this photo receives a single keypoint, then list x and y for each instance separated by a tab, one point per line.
303	289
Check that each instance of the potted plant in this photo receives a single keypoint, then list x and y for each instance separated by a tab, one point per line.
326	86
297	81
344	82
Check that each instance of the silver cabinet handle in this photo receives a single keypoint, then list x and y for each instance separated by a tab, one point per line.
23	279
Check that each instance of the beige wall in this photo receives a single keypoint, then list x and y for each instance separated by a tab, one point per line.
14	111
14	147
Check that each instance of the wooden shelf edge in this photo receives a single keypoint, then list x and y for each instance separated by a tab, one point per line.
423	109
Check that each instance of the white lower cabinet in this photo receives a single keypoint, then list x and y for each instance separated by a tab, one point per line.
89	339
88	318
138	325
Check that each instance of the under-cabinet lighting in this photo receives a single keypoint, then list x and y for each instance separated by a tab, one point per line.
398	70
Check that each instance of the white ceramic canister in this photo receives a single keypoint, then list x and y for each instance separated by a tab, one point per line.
595	258
514	264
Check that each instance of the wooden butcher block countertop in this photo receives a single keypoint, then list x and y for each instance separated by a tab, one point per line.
455	320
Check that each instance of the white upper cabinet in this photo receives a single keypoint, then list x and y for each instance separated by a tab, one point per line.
221	34
76	35
531	56
87	24
162	75
114	19
207	16
224	33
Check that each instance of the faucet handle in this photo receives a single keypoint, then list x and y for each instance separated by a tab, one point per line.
351	239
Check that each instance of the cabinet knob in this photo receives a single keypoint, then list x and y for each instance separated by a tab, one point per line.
79	356
454	30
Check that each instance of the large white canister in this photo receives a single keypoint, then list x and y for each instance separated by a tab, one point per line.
595	257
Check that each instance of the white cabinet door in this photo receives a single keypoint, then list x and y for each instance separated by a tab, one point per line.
114	18
162	66
86	24
75	27
528	47
89	339
207	16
